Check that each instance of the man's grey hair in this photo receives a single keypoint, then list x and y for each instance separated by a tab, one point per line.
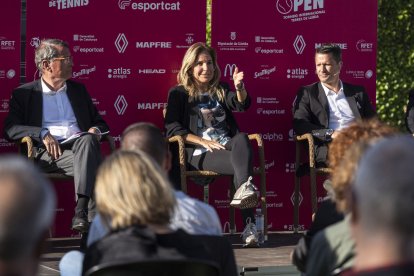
384	187
47	50
27	207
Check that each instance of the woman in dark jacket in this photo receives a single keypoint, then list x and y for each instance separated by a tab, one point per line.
200	110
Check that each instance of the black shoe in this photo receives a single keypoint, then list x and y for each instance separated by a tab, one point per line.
80	222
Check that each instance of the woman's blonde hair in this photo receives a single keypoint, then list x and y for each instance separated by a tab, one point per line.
185	75
131	189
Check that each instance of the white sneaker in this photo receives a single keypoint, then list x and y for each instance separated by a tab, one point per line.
245	196
249	235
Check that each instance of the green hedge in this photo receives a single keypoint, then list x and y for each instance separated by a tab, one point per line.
395	70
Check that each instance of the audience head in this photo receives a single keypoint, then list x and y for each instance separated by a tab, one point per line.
344	176
131	189
186	77
27	209
148	138
361	130
343	158
384	191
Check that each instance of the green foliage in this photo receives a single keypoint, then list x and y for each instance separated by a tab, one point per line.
395	71
208	22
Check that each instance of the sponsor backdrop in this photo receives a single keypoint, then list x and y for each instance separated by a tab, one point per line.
128	52
9	58
274	43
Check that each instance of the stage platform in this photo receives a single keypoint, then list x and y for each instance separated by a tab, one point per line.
270	259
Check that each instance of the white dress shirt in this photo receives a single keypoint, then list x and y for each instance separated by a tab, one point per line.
58	116
340	114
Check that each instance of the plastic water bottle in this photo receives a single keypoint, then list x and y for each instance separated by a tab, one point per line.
260	225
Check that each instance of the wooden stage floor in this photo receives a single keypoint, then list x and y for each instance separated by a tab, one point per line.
270	259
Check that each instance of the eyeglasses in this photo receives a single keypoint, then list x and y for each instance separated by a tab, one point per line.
68	59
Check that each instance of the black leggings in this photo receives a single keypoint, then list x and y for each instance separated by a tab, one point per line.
235	160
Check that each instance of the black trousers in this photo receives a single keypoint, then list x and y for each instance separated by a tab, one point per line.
321	153
236	160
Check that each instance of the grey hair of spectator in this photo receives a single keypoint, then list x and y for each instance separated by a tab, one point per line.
47	50
27	208
384	190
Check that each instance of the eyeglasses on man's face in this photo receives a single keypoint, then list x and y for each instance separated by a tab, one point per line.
67	59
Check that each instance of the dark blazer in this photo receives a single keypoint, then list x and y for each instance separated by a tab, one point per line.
26	110
311	106
181	117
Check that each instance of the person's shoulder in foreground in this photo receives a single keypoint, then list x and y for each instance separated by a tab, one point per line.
195	216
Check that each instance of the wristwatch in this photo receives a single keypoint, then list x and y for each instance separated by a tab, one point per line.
240	86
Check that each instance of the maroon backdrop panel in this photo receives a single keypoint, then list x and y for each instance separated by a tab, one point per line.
126	52
274	43
9	60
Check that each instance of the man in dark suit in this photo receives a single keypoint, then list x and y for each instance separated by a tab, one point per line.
326	107
50	110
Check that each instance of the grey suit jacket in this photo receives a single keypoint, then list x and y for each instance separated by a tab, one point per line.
311	107
26	110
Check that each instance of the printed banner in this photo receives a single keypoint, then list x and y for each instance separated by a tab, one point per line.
274	44
9	60
126	52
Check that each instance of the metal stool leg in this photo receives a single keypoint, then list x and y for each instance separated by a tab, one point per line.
296	205
231	209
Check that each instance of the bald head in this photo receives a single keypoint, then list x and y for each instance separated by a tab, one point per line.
148	138
384	187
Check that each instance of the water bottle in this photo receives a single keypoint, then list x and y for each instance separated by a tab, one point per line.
260	225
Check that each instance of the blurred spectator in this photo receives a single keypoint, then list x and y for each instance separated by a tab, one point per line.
136	201
343	165
383	210
27	209
190	214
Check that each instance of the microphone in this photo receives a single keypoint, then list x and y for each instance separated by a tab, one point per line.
336	74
